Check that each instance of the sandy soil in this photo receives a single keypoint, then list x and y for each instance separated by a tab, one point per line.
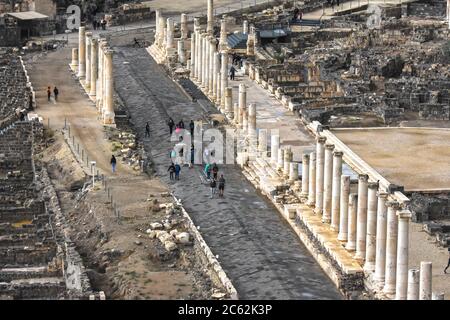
397	152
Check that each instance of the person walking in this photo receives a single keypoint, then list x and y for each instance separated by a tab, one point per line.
448	263
56	92
208	171
213	186
192	155
232	72
181	124
215	170
49	94
221	185
147	130
113	163
177	171
171	171
171	124
192	127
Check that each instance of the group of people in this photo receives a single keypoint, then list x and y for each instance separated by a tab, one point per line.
179	126
214	183
55	93
333	2
99	24
298	15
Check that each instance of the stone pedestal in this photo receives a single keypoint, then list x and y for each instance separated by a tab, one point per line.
413	284
391	247
312	179
352	216
361	229
438	296
82	52
305	175
343	208
425	282
401	290
371	236
328	183
320	154
336	190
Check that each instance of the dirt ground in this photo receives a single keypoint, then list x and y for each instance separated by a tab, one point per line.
396	152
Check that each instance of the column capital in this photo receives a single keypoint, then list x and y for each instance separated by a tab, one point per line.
393	204
329	146
305	156
338	153
404	214
363	177
383	195
373	185
321	139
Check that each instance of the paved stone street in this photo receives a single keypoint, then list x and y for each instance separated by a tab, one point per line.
258	250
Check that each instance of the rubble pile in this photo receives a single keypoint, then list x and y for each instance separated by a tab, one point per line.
125	147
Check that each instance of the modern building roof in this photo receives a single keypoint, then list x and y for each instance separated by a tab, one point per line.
27	15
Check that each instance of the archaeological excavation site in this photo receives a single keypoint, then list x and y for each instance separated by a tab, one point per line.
225	150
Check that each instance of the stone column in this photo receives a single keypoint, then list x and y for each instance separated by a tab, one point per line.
312	179
280	164
224	76
413	284
262	142
371	235
336	190
210	17
212	59
352	214
252	119
391	247
328	183
201	59
206	62
287	161
169	39
87	82
183	26
229	101
99	95
425	284
181	52
305	175
343	208
196	35
157	29
94	67
82	52
74	63
162	35
380	256
235	112
216	72
109	115
274	145
293	171
192	66
245	27
243	102
223	45
401	288
361	229
219	89
320	154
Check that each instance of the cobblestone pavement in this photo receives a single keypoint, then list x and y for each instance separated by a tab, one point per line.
257	249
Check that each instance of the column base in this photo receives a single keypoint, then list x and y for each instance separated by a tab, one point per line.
108	118
369	267
318	211
326	220
342	237
311	203
360	256
334	228
350	246
389	290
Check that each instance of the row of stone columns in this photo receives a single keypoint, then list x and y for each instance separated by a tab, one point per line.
375	229
95	71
